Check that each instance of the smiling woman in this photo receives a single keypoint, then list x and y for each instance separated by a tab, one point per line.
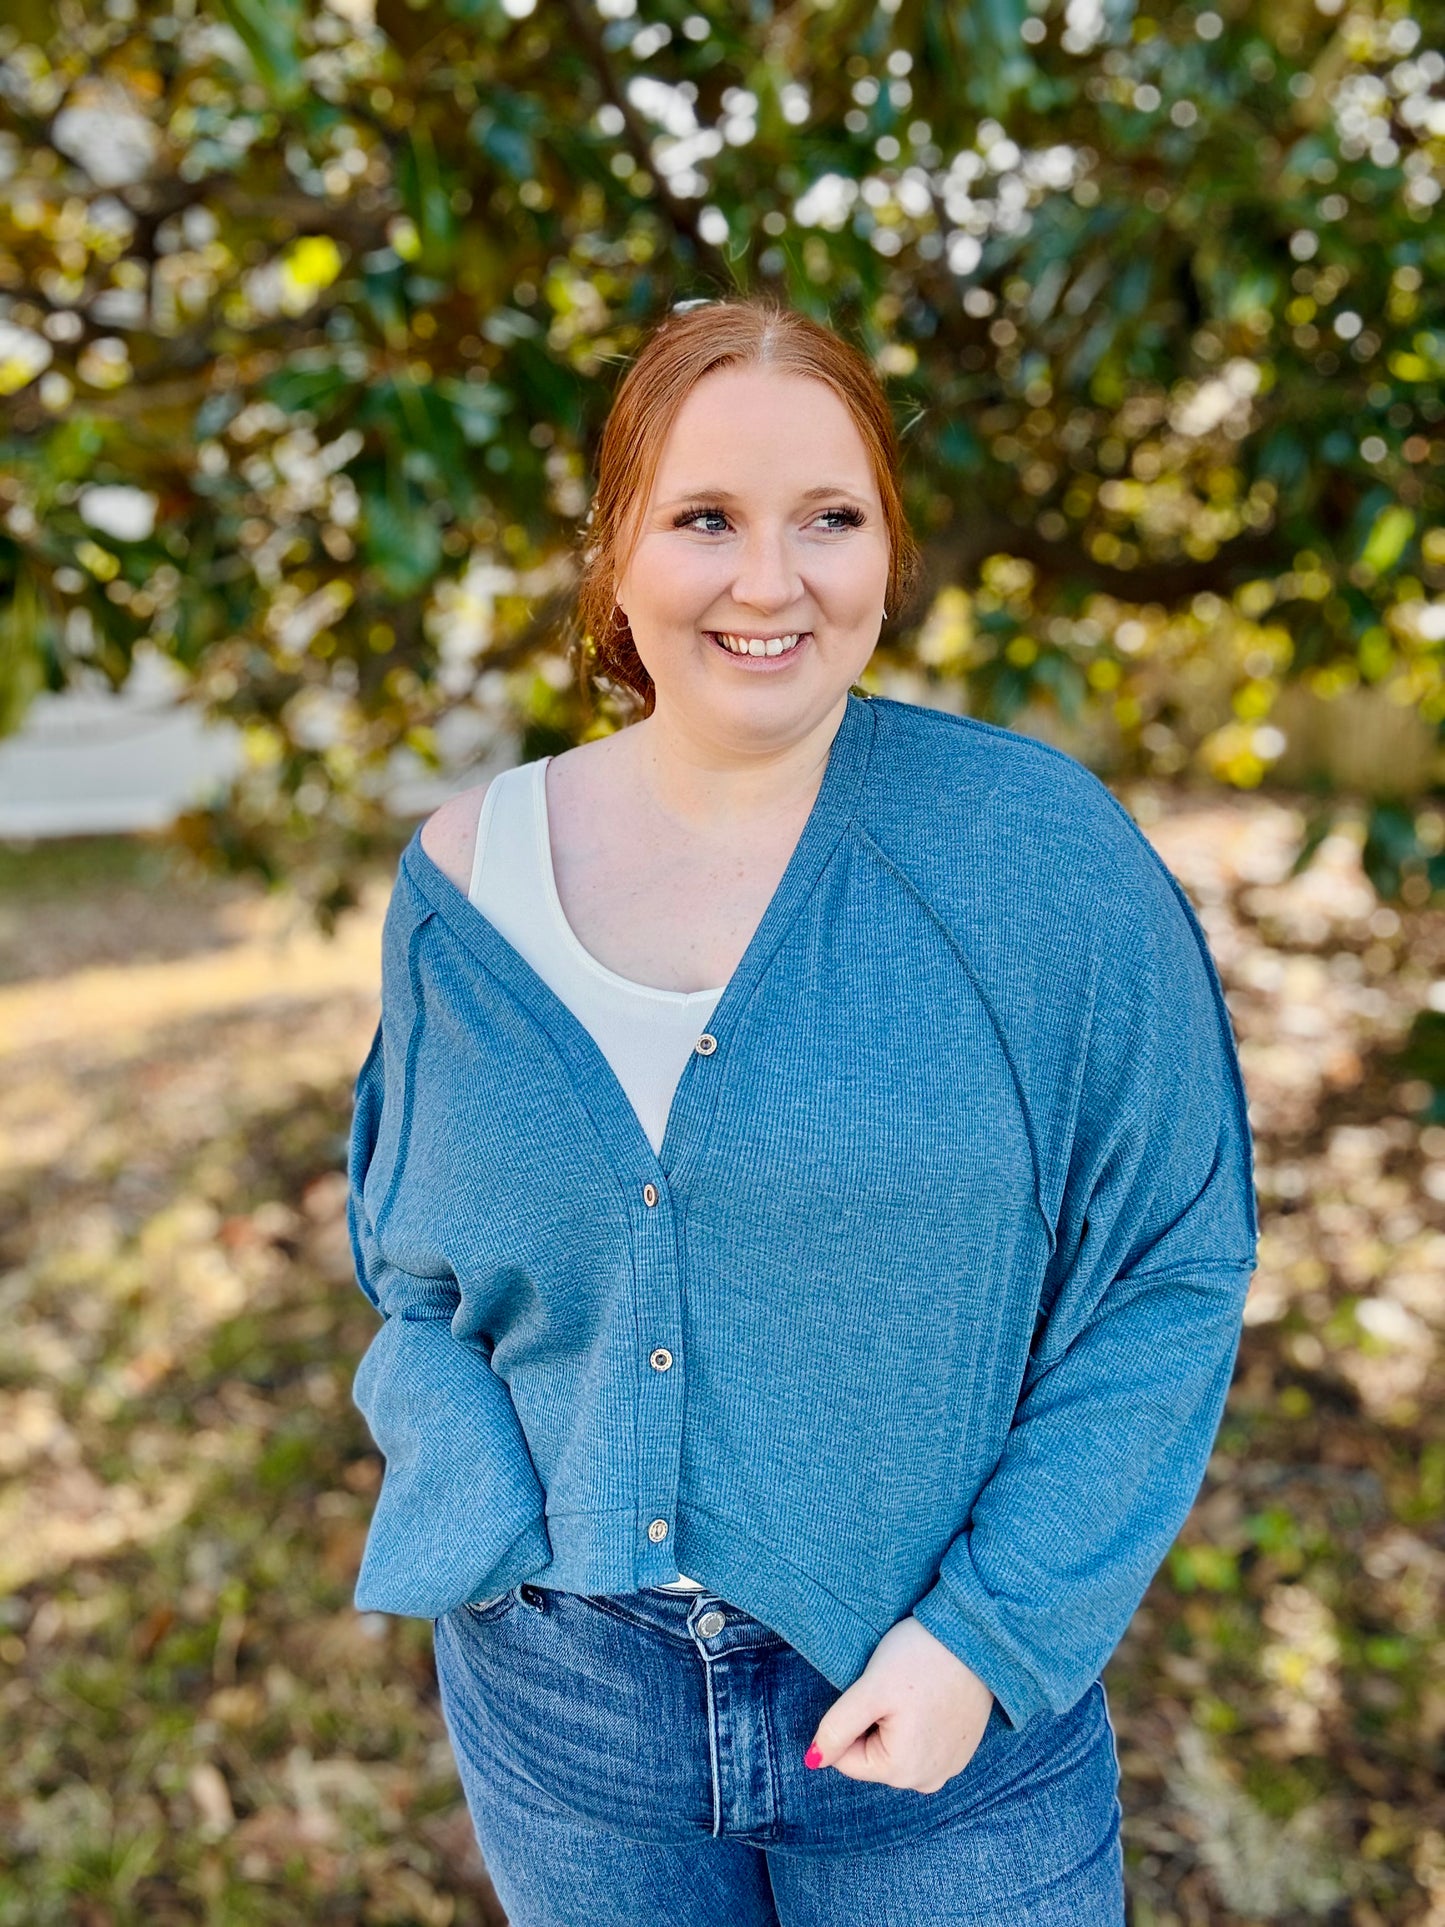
747	431
775	544
765	564
804	1175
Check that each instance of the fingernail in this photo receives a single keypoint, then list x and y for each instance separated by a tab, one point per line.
813	1756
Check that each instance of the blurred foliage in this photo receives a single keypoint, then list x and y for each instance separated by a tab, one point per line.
195	1724
310	315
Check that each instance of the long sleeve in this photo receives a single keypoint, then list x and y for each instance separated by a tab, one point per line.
1137	1332
459	1476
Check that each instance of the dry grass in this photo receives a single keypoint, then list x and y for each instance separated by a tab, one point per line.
196	1724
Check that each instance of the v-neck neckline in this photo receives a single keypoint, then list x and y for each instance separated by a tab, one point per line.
593	1077
677	1000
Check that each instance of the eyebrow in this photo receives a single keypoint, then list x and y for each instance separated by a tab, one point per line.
723	495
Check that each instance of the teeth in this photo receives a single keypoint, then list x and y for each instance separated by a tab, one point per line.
773	646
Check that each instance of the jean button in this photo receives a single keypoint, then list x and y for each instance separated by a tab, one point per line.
711	1623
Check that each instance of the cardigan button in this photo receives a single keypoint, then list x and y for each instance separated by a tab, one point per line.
649	1193
657	1531
705	1045
660	1359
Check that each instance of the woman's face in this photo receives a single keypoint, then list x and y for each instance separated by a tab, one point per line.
764	522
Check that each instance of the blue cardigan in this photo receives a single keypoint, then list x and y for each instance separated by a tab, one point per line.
930	1301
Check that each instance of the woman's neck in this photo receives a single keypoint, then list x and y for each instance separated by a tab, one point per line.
696	780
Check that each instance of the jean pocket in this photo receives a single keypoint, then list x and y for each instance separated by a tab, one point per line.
484	1611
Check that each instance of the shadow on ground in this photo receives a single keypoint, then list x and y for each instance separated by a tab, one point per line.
197	1727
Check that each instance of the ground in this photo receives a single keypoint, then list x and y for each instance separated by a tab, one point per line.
196	1726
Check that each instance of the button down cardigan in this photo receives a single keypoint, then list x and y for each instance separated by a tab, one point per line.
948	1237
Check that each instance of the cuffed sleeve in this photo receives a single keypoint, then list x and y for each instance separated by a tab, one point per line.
459	1476
1137	1331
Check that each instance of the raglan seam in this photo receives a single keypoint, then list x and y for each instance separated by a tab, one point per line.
907	883
408	1080
1048	752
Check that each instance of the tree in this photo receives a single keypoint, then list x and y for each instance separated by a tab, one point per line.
311	317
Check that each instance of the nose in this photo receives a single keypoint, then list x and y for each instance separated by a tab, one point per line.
767	577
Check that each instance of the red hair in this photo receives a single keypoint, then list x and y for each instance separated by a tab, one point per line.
684	346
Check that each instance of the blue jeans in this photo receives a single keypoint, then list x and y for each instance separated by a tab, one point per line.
638	1758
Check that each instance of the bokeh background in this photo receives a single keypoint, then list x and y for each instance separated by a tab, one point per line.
309	319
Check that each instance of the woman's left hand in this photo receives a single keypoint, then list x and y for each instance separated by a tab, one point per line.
912	1718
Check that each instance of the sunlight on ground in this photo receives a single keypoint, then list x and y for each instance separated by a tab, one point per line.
193	1707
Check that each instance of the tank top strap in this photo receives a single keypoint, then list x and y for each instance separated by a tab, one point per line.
511	864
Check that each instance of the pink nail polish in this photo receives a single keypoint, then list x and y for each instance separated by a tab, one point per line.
813	1756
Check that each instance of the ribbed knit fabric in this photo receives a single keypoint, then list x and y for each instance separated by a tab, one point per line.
947	1242
645	1033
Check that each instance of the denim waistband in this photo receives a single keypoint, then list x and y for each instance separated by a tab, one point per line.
693	1617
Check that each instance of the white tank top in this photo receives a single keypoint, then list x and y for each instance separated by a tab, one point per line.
646	1034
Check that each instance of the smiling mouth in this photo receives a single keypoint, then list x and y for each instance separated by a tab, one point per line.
754	646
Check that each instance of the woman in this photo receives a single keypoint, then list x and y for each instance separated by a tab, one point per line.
804	1172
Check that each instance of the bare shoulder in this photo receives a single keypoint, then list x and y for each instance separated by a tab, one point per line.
449	835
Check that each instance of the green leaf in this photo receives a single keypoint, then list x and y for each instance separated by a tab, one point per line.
478	407
27	637
960	447
1209	1567
426	194
1319	823
71	450
1069	684
1284	459
504	128
1394	847
1423	1052
480	12
314	389
271	33
1386	544
420	427
382	276
401	539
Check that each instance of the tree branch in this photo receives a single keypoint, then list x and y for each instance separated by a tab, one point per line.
639	141
954	559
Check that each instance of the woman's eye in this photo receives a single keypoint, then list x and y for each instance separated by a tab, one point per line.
848	517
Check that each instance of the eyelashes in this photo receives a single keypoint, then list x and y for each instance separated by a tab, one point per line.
852	517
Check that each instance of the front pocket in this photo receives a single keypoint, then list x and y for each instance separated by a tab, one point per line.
485	1610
